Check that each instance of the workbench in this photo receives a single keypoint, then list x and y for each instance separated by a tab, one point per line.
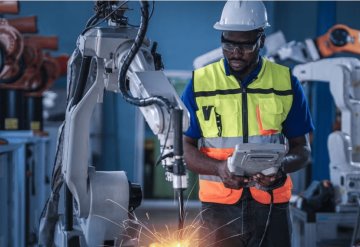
322	229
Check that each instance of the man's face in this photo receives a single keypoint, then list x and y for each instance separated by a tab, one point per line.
241	49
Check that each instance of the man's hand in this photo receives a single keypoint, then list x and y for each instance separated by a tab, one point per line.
266	181
230	181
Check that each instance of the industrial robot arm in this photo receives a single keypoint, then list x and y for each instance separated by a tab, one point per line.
339	38
343	75
116	58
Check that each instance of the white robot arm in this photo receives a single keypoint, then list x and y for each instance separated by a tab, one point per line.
106	53
343	75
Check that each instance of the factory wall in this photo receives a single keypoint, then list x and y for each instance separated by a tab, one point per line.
184	31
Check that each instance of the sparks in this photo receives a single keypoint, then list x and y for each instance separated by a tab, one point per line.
148	236
184	243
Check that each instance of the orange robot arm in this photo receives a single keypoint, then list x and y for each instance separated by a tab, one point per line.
339	38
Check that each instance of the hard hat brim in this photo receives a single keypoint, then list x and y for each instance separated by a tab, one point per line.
237	27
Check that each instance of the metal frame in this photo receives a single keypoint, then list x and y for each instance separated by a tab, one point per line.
12	195
14	192
310	232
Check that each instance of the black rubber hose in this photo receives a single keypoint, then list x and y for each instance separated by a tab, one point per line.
129	58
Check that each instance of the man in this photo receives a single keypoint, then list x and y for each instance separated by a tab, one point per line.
244	98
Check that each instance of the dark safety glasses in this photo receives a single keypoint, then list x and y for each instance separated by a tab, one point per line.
245	47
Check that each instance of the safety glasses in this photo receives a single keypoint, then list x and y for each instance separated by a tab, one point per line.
245	47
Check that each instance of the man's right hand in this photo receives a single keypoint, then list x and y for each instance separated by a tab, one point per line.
229	180
200	163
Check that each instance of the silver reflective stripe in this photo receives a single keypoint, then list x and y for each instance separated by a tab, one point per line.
210	178
230	142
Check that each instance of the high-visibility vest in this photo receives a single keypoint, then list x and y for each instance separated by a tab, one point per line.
229	114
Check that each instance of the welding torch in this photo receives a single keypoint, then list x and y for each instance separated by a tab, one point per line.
176	167
179	169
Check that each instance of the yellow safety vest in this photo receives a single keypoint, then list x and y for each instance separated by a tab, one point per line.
229	114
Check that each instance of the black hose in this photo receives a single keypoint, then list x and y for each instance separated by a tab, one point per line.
161	101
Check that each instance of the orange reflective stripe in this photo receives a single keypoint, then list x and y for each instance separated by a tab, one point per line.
211	191
281	195
217	153
261	130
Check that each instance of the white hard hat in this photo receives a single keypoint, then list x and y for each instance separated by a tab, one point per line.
241	15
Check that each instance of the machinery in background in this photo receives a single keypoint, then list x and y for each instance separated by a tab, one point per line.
50	70
116	58
342	192
11	69
26	72
339	38
32	78
318	197
9	7
343	75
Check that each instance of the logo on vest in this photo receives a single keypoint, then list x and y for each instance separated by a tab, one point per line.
207	111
